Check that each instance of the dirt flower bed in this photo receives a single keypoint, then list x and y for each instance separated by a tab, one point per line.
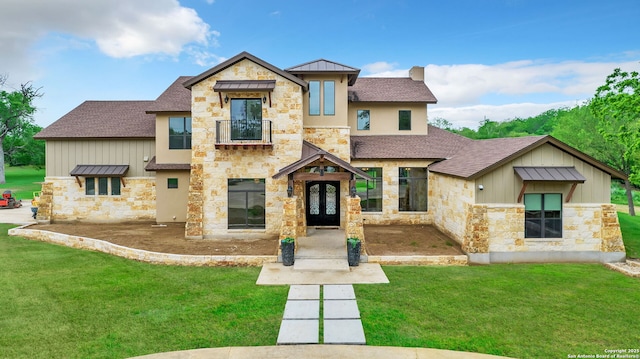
380	240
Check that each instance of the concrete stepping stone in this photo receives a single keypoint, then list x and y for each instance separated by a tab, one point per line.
341	309
304	292
344	331
338	291
299	332
321	265
302	309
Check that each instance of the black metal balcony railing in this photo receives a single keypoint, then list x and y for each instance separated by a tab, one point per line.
231	132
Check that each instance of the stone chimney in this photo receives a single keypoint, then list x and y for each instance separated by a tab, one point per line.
417	73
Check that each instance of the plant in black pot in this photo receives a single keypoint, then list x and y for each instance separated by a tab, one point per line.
288	246
353	251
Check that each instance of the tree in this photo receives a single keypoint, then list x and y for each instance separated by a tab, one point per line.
16	109
21	149
616	105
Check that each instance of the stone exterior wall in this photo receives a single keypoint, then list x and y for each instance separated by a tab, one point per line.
390	196
354	223
207	213
335	140
450	200
63	200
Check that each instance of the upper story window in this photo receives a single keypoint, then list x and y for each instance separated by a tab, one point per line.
180	133
246	119
404	120
328	90
329	98
314	98
364	120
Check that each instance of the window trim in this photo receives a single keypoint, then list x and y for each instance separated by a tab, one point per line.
261	191
93	186
170	185
371	184
314	97
243	124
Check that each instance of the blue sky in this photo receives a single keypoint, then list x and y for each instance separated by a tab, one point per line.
495	59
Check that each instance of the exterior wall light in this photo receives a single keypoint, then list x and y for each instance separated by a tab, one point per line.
264	99
226	99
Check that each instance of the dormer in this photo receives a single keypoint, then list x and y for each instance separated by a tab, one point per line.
326	103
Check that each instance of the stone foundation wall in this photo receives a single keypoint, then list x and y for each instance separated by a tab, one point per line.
354	223
63	200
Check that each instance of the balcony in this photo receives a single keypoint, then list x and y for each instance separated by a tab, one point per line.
243	134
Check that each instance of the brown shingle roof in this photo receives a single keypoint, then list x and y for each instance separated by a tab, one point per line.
103	119
176	98
438	144
390	89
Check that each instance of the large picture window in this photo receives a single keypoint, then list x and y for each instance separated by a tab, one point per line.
412	191
364	120
179	133
246	203
246	119
370	191
543	215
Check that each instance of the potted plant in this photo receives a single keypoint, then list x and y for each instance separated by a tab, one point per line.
288	246
353	251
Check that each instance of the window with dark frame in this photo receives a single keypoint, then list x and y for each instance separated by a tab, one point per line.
412	189
90	186
103	186
180	133
543	215
370	191
172	183
364	120
246	204
404	120
246	119
115	186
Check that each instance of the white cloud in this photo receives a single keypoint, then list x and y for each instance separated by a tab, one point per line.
383	69
468	92
119	28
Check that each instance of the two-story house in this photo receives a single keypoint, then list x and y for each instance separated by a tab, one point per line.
248	149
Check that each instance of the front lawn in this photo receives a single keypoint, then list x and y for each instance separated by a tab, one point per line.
630	227
59	302
521	311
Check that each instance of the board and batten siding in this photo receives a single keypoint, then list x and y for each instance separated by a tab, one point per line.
62	156
503	185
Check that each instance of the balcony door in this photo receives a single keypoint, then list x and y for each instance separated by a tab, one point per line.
246	119
323	203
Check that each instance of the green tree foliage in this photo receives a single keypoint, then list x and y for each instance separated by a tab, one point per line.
616	105
21	149
16	109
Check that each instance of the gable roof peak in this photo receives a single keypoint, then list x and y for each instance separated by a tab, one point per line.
325	66
234	60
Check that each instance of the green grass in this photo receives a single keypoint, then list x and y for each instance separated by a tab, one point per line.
619	194
59	302
23	181
522	311
630	227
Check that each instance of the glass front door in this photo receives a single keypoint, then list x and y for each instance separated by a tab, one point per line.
323	203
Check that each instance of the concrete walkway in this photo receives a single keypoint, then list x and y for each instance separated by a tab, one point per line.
22	215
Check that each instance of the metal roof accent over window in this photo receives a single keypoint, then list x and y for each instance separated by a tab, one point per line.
99	170
244	85
550	173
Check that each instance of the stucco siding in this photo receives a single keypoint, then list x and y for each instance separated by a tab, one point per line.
163	153
384	118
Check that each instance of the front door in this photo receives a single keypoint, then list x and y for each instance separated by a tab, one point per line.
323	203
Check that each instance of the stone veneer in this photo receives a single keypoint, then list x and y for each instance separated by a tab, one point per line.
63	200
207	212
354	224
335	140
450	200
